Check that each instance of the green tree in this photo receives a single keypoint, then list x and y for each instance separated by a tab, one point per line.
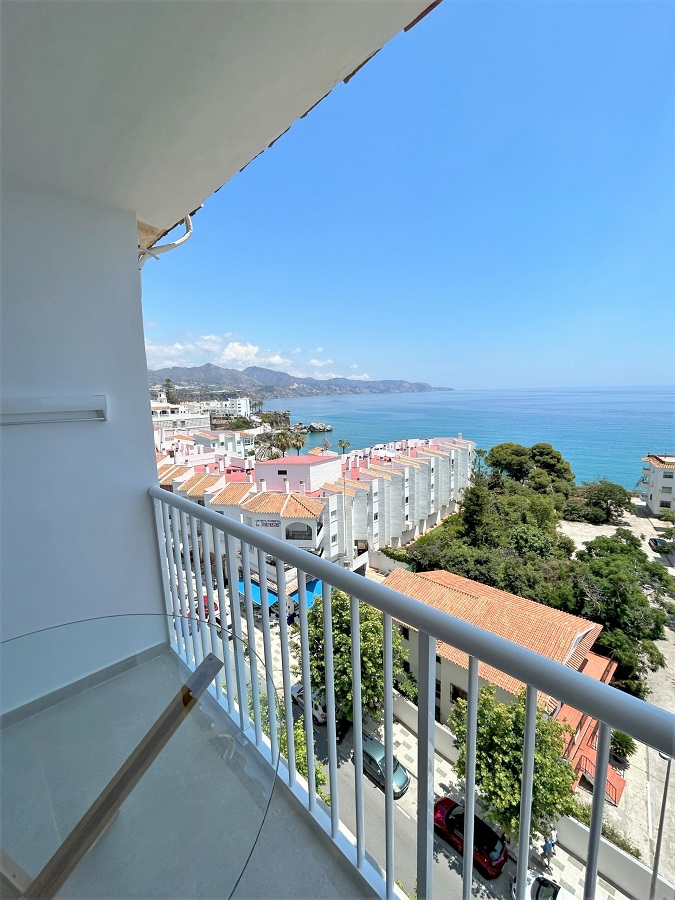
478	513
298	441
343	445
611	498
299	741
372	653
499	755
528	539
170	391
551	461
510	459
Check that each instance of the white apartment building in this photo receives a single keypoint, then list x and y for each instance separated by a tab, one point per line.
659	479
415	484
305	522
240	444
169	418
228	406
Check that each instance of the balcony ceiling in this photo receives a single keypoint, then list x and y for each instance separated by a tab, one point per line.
151	107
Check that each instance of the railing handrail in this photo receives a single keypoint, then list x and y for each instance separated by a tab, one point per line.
645	722
589	768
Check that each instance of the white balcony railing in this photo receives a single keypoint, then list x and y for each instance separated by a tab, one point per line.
188	533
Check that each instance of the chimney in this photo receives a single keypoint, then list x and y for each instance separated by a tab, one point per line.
460	435
302	488
263	485
287	486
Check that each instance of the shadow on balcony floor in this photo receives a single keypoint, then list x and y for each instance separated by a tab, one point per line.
189	826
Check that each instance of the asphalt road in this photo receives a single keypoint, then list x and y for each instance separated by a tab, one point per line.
447	867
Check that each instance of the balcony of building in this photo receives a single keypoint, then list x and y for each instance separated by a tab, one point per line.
226	787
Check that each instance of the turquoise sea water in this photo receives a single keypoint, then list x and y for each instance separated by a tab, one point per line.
603	432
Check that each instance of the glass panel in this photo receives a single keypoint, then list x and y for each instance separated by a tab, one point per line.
70	722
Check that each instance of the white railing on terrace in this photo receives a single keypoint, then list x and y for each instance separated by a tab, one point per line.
187	533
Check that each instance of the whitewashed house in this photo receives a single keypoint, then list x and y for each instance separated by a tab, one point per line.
307	471
659	481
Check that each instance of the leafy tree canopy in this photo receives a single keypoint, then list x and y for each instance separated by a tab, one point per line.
505	535
372	653
499	756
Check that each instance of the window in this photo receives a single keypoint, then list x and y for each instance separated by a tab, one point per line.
666	490
406	499
333	513
405	632
438	659
457	693
297	531
438	689
406	666
375	517
282	471
333	540
667	474
665	504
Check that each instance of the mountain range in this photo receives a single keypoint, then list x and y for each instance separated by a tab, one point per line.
266	383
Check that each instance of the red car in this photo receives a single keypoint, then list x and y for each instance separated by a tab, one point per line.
489	850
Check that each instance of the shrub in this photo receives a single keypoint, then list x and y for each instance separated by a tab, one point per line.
622	744
400	554
582	813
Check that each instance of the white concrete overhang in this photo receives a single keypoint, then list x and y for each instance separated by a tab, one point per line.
152	106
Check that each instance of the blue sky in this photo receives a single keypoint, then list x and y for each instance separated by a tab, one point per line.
490	202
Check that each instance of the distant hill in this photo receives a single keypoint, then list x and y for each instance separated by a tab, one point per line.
267	383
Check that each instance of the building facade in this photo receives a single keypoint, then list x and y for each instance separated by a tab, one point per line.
659	480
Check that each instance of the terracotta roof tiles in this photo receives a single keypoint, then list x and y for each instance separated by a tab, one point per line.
288	506
660	461
542	629
195	486
233	494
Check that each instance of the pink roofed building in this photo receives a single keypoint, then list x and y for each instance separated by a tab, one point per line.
300	473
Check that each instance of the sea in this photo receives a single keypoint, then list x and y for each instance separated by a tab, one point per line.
602	432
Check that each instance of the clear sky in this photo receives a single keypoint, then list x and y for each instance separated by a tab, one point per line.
490	202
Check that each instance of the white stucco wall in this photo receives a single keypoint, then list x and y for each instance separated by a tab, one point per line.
72	325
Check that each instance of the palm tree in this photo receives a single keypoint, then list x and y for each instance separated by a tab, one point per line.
282	441
343	445
298	441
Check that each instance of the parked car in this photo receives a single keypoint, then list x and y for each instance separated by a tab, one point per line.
374	765
541	887
319	712
318	703
489	850
661	546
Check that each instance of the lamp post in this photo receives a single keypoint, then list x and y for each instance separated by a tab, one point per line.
659	837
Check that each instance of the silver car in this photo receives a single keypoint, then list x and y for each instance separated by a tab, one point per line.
541	887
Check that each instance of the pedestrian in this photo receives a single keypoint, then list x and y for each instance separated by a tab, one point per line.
553	837
546	853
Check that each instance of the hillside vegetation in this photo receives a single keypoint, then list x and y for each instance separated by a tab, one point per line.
505	535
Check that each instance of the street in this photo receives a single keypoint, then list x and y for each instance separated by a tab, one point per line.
447	867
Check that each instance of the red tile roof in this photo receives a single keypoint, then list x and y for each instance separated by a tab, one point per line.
662	461
232	495
288	506
547	631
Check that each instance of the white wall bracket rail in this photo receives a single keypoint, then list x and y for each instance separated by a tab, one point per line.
42	410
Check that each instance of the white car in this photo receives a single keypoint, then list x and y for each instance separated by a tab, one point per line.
318	708
541	887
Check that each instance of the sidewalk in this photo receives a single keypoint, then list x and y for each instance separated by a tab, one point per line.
567	870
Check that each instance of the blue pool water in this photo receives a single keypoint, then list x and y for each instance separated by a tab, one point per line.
314	588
